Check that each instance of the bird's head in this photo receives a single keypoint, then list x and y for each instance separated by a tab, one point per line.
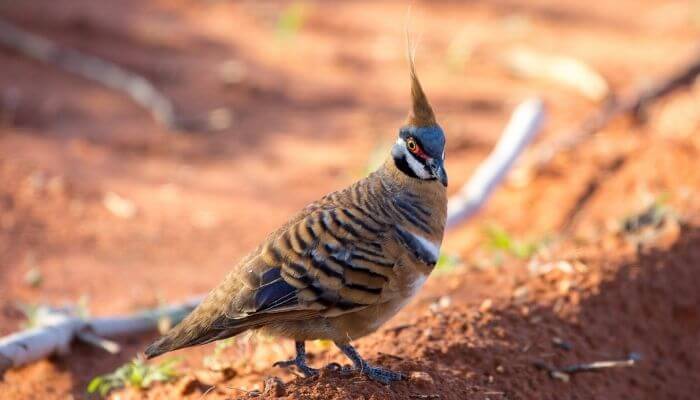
419	151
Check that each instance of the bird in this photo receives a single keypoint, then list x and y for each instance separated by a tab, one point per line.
345	264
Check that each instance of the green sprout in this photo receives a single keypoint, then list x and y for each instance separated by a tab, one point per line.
33	314
500	241
136	374
447	262
291	20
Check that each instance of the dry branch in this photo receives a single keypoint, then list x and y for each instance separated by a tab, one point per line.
58	329
564	70
94	69
614	107
524	124
564	373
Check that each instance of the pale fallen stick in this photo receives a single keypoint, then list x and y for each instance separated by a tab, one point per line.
564	70
523	126
564	373
58	329
95	69
614	107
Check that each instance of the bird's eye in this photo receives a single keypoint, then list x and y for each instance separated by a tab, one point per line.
411	144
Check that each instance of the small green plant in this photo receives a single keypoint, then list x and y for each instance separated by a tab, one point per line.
291	20
136	373
33	313
500	241
447	262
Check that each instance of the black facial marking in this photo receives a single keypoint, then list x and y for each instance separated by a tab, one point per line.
402	165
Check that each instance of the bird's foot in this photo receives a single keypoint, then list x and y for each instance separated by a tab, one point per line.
375	373
382	375
300	364
299	361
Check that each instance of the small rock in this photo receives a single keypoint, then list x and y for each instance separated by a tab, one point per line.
441	303
500	369
119	206
537	268
220	119
421	378
274	387
33	278
232	72
563	286
520	294
562	376
188	385
485	305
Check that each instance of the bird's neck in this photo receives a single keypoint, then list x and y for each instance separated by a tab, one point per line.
432	193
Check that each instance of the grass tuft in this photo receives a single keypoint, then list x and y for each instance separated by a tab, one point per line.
136	374
500	241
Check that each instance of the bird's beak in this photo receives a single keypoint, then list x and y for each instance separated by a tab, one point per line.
437	168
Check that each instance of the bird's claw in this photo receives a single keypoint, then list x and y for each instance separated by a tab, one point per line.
375	373
300	364
382	375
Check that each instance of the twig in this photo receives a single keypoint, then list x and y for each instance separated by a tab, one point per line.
636	105
524	124
565	372
102	343
564	70
57	330
572	216
92	68
562	344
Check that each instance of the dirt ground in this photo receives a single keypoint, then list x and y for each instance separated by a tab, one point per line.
302	108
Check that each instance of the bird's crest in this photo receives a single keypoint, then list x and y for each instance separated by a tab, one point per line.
421	113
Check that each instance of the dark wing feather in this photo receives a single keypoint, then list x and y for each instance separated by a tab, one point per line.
331	261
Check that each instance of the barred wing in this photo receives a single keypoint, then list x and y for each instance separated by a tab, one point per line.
332	261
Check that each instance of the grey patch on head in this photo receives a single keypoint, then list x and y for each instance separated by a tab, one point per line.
431	138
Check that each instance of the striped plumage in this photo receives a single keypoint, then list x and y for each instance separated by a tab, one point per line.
346	263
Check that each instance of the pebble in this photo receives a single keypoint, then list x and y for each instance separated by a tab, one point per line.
421	377
274	387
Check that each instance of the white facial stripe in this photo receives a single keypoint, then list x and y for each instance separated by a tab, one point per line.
414	164
429	247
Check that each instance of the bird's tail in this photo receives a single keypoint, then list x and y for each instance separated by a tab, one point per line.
188	334
207	323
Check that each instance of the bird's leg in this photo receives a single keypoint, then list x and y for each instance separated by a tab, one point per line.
299	361
375	373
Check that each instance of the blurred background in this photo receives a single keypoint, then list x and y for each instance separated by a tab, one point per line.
107	204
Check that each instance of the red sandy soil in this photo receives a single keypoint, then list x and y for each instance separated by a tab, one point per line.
312	106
